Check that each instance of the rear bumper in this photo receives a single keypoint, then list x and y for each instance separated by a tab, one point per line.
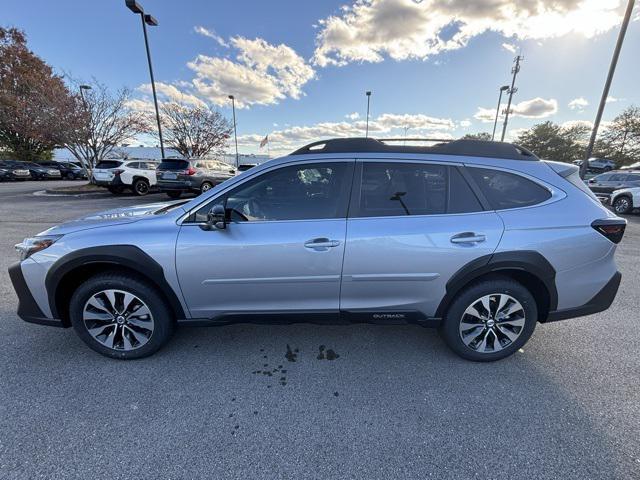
600	302
114	182
28	309
180	186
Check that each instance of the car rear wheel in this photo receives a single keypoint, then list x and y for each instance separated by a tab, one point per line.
174	194
205	187
622	205
140	187
120	316
70	176
490	320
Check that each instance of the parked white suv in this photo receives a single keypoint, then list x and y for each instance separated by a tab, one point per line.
117	175
625	200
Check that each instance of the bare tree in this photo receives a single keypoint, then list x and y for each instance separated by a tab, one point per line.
194	131
108	122
35	104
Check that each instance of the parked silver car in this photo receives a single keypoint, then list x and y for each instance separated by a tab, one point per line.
480	239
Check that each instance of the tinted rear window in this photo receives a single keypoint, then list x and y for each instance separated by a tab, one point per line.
506	190
174	165
108	164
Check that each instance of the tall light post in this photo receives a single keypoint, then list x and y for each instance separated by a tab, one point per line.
503	88
147	19
235	132
605	92
82	88
512	90
368	93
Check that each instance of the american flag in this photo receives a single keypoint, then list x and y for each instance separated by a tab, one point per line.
264	141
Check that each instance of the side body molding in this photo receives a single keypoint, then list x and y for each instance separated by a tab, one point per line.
524	260
128	256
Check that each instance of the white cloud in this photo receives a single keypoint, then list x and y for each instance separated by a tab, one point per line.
211	34
534	108
465	123
579	104
261	74
285	140
370	30
352	116
170	93
611	99
510	47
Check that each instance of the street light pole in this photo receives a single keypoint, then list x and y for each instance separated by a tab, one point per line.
495	123
147	19
512	90
368	93
82	88
235	132
605	93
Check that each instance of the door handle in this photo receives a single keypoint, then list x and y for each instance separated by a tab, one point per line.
468	237
321	243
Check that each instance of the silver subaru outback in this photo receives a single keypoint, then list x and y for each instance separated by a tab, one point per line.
480	239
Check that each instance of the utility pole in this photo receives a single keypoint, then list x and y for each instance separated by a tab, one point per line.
368	93
512	90
504	88
235	132
607	85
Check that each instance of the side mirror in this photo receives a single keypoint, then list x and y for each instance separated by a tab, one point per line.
217	217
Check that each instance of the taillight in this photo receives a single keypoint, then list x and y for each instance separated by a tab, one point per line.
612	228
190	171
118	171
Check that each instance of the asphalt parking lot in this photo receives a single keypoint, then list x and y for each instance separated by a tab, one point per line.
394	403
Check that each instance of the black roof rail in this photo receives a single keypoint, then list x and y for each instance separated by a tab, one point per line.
475	148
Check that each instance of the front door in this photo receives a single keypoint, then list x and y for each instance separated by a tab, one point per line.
411	226
281	250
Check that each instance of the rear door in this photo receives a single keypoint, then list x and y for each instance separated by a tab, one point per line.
411	226
282	248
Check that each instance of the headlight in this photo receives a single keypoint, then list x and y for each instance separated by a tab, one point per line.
29	246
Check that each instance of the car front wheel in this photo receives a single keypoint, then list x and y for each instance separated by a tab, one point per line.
120	316
490	319
622	205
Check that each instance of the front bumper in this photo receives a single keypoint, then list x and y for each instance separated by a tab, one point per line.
600	302
28	309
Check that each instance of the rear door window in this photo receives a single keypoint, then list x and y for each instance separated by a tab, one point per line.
400	189
505	190
174	165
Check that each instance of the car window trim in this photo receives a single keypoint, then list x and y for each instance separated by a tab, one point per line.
184	219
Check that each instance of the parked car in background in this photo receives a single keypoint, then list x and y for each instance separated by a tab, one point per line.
68	170
136	175
37	171
468	236
598	165
625	200
12	171
633	166
178	176
605	183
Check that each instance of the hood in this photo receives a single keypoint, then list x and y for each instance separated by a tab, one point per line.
116	216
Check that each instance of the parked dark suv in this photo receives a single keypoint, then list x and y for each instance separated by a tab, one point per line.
177	176
605	183
68	170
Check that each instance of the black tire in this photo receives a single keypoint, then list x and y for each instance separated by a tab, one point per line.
622	205
450	329
140	187
116	190
174	194
163	322
70	176
205	187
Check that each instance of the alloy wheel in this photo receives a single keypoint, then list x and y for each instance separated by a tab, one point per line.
118	319
492	323
142	188
621	205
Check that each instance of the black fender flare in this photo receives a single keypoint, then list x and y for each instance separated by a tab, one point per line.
525	260
128	256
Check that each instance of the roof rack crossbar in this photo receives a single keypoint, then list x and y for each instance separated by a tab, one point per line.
475	148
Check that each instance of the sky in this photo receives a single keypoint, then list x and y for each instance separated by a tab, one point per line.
299	69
